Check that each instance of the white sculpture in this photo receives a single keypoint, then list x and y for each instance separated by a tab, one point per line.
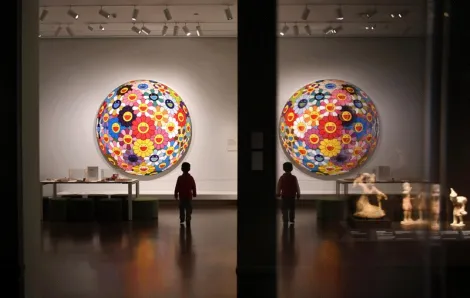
435	206
406	205
421	202
364	208
459	203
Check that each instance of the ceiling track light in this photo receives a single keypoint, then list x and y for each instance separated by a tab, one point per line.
145	30
164	30
198	30
296	30
330	30
72	13
57	31
69	31
370	27
167	14
306	13
186	30
104	13
228	14
136	29
339	14
90	28
101	27
395	15
43	15
176	30
135	14
284	30
308	30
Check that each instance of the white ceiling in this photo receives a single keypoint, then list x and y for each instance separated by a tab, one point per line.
210	16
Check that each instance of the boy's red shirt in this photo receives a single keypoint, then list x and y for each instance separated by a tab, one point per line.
288	186
185	187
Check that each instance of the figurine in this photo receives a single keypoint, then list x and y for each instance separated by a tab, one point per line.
406	205
435	207
364	208
459	208
421	199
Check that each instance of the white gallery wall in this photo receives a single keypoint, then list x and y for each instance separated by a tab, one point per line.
77	74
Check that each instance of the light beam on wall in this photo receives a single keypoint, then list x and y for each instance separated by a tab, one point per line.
43	15
69	31
284	30
72	13
228	14
164	30
167	14
186	30
135	14
104	13
57	31
305	13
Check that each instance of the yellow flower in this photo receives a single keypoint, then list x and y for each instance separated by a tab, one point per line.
160	116
312	115
143	169
330	169
143	148
296	95
330	148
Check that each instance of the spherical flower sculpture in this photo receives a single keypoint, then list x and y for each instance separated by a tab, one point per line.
329	127
143	127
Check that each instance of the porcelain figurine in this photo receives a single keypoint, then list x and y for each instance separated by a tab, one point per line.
406	205
459	203
421	202
435	206
364	208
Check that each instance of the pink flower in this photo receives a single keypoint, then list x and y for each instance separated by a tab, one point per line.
116	151
160	138
124	165
312	138
126	139
342	97
329	107
131	97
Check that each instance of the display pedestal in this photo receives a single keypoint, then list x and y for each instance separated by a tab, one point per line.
369	223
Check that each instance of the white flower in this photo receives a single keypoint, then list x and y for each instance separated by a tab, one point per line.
329	107
300	105
144	107
300	127
171	127
169	104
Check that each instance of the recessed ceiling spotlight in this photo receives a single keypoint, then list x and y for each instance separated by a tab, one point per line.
101	27
90	28
228	14
43	15
296	30
104	13
308	30
284	30
145	30
72	13
167	14
339	14
176	29
186	30
305	13
135	14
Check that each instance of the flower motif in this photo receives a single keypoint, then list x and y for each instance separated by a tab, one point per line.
318	95
300	149
132	97
180	117
114	128
350	89
126	139
360	127
143	148
171	127
126	116
342	96
348	138
124	89
330	127
143	86
156	158
171	149
319	158
144	107
308	89
131	158
188	127
312	115
165	164
116	151
359	106
295	96
102	109
330	169
309	164
300	127
312	138
330	148
160	116
124	165
358	151
184	108
115	106
329	107
143	169
182	137
152	95
105	138
143	128
330	85
286	107
289	117
160	138
170	106
347	116
301	104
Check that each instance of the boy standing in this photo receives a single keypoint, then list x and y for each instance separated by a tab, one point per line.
288	189
185	190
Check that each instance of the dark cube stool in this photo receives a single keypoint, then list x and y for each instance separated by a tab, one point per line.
56	210
80	209
45	208
109	209
145	209
124	207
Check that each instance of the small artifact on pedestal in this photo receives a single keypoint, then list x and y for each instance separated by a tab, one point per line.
459	203
366	214
406	205
421	202
435	207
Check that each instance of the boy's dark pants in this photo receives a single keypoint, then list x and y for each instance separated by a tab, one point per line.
288	209
186	208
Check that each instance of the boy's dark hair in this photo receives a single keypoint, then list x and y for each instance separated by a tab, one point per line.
185	167
287	167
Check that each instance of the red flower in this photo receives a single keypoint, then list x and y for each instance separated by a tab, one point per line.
181	117
143	128
330	127
289	117
102	109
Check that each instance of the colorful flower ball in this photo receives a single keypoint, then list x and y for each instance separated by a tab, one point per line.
143	127
329	127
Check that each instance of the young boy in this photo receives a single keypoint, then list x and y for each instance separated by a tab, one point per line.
288	189
185	190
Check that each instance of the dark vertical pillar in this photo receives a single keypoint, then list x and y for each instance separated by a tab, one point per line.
256	246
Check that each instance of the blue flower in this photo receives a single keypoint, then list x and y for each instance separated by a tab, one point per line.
172	149
309	165
360	127
330	86
114	128
142	86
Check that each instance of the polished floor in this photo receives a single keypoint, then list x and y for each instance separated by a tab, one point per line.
120	260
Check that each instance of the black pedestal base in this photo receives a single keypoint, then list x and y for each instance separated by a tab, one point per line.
369	223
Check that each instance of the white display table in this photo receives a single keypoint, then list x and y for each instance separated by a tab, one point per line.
129	189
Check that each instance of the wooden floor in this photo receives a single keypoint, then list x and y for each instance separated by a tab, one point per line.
162	260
